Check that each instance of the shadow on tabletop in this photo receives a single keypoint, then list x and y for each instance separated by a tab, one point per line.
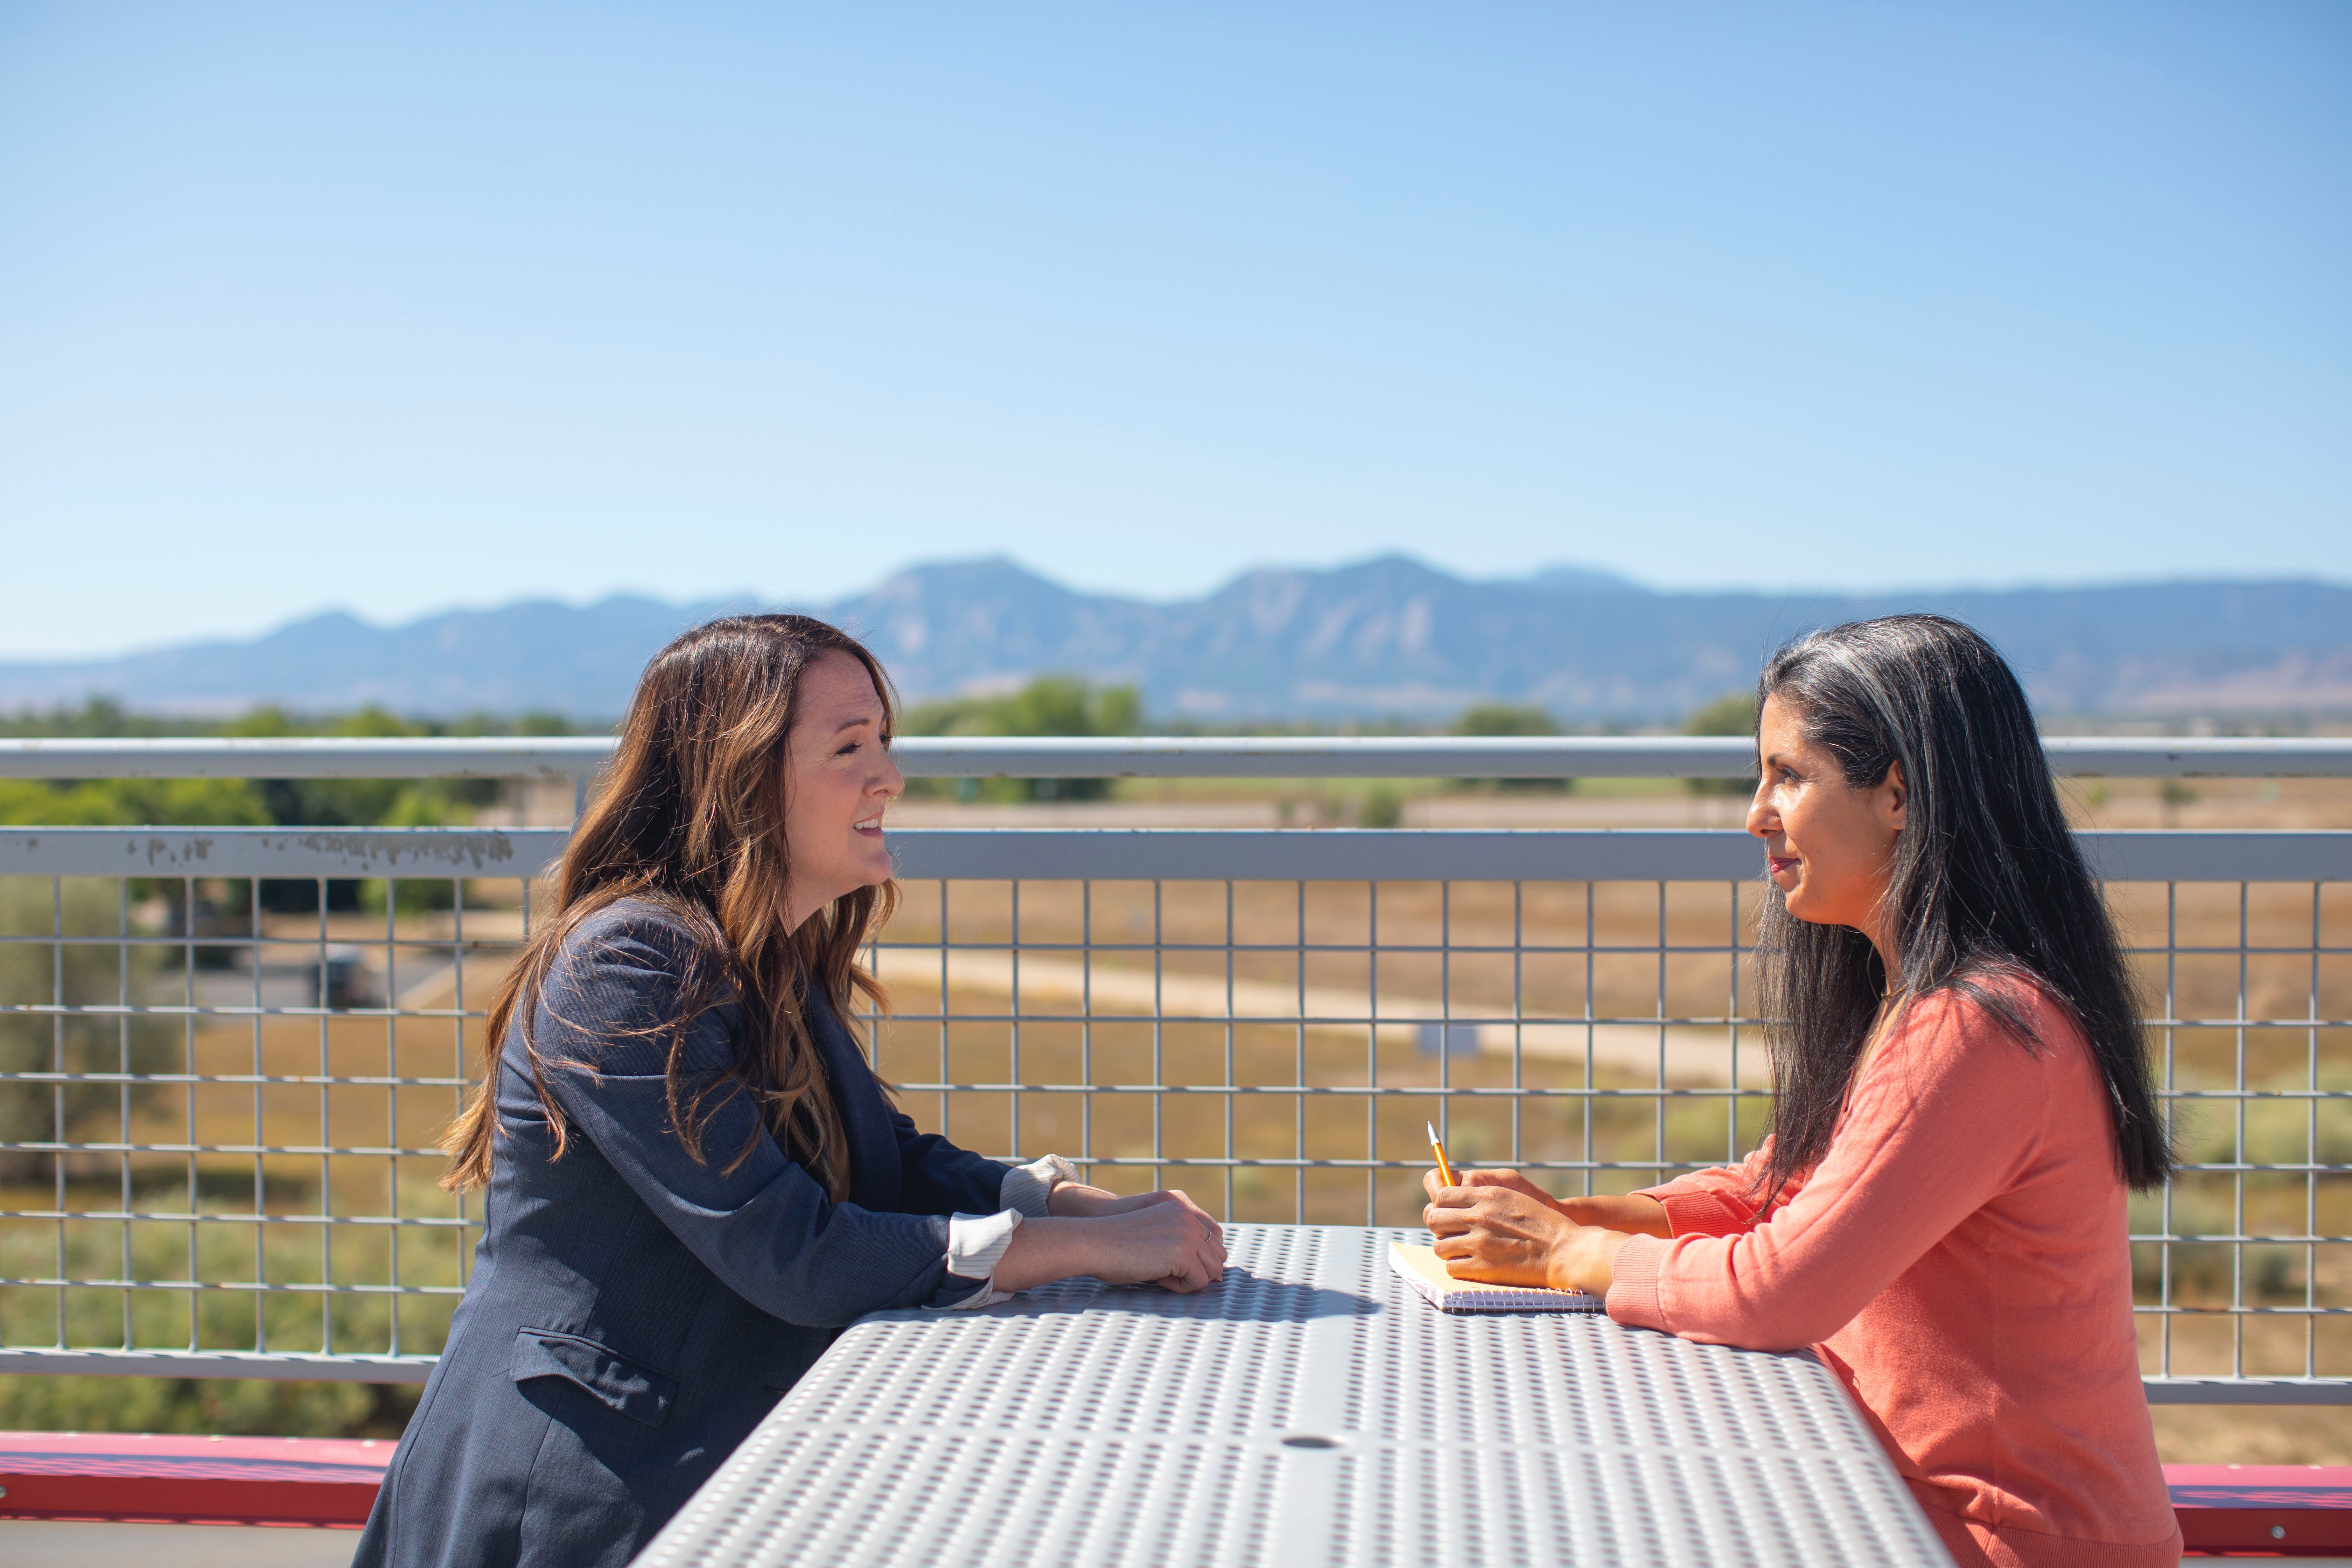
1240	1297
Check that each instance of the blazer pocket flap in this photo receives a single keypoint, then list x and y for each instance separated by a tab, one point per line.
635	1390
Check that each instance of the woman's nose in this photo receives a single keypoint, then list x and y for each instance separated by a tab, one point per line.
1761	819
891	782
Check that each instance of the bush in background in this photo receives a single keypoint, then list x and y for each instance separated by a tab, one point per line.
228	1407
1733	713
1503	719
1052	705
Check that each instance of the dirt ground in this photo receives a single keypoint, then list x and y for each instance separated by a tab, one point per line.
2253	1435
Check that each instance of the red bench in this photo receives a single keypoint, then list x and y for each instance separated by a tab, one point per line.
2274	1511
130	1479
2282	1510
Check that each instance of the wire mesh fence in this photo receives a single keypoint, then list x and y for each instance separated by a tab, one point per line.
224	1066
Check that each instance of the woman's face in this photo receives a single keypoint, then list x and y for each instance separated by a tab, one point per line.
1827	845
838	780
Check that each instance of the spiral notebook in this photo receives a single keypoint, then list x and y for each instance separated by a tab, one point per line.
1422	1269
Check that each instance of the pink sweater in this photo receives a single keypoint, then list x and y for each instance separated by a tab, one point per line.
1958	1258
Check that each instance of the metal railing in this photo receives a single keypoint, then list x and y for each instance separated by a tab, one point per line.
1148	756
225	1053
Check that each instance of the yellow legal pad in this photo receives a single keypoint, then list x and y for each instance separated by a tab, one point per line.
1425	1272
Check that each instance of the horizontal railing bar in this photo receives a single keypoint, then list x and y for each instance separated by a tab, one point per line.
1573	1020
297	854
289	967
168	1010
306	757
235	1286
1318	950
1609	855
1152	757
2298	1238
247	1080
1549	1020
410	944
1269	854
1525	1020
234	1077
2226	1309
1550	756
314	1367
2247	1390
142	1216
1319	1020
1280	1163
305	1149
1250	1020
1377	1091
360	1367
1322	948
2225	1167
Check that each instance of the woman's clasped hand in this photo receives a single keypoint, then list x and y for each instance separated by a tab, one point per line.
1500	1228
1163	1238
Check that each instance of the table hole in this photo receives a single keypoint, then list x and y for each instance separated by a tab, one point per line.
1308	1440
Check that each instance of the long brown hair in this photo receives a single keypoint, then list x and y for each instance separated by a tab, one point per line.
690	816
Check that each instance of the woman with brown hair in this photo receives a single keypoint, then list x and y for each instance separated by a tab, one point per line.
694	1178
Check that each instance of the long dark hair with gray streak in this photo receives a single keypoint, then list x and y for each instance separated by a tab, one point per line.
1986	885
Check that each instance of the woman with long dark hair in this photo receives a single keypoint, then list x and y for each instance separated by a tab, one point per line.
694	1178
1963	1102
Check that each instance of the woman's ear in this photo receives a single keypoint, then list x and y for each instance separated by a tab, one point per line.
1893	797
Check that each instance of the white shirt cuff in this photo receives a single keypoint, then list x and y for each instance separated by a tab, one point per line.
976	1245
1026	1189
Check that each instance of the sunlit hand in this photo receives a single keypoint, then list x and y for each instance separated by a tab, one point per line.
1494	1232
1173	1243
1073	1201
1509	1181
1632	1213
1162	1238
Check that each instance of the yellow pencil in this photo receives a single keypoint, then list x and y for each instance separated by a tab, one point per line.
1444	1170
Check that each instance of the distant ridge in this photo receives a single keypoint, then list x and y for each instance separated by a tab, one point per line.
1385	636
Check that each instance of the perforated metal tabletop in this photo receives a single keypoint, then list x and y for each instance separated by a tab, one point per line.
1309	1410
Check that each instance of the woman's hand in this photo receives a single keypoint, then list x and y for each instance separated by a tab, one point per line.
1504	1230
1164	1238
1633	1214
1509	1181
1073	1201
1172	1242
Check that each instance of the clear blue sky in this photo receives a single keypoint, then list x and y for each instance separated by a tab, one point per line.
395	308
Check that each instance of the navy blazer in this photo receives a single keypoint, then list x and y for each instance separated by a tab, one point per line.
634	1311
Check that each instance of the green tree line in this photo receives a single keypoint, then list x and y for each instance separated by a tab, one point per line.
250	803
1051	705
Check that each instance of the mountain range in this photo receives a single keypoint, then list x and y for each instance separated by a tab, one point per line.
1388	637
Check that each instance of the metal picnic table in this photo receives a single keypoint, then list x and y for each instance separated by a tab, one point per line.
1310	1409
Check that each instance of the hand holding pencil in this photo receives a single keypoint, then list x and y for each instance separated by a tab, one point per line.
1498	1227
